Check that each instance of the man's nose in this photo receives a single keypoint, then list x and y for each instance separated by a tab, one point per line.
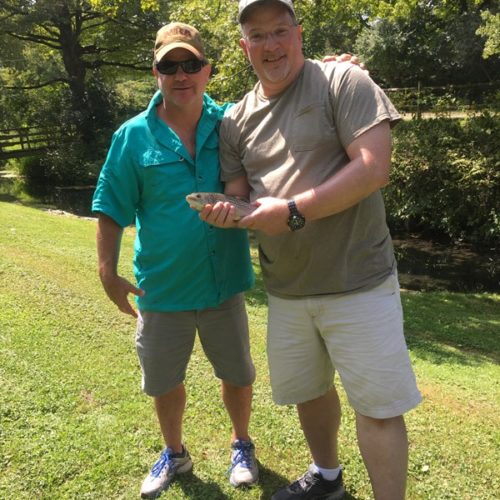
180	74
271	41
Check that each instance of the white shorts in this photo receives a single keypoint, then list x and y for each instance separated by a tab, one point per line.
359	335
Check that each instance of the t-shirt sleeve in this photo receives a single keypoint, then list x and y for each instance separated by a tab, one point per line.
229	150
358	104
118	188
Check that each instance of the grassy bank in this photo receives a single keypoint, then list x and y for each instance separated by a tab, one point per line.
74	423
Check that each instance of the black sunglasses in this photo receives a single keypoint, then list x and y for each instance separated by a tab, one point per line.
189	66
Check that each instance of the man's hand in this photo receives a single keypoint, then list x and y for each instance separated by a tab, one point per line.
221	214
270	217
346	58
117	289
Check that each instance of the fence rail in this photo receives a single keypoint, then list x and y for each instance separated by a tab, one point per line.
446	99
25	141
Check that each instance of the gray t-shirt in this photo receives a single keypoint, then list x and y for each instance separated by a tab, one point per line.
295	141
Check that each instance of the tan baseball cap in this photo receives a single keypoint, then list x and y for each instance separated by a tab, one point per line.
245	4
178	35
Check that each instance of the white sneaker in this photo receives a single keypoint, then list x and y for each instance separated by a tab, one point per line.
244	470
161	475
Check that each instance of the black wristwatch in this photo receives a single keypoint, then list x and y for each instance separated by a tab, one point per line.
296	220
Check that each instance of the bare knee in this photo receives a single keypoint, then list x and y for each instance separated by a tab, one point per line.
380	424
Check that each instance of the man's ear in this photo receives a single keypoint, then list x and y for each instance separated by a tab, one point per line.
243	45
208	69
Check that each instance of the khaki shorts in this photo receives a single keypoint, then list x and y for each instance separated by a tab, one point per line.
165	340
359	335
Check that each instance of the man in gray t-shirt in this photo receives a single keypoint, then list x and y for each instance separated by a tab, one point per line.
310	146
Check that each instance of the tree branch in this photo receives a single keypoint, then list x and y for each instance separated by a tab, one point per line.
50	30
98	64
49	42
38	86
8	16
92	26
93	49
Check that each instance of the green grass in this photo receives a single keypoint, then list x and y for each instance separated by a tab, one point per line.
74	423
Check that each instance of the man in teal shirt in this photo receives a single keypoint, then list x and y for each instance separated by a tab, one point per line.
190	276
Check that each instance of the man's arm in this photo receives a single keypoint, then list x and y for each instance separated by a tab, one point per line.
367	171
109	235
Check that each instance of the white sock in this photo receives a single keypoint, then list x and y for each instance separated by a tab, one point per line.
328	474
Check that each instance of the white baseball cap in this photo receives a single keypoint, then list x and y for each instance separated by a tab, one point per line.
245	4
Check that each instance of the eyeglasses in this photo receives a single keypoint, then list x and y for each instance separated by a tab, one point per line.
190	66
279	34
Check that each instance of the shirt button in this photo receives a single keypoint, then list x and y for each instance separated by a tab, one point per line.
181	158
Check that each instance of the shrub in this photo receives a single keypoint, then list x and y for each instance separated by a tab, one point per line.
446	179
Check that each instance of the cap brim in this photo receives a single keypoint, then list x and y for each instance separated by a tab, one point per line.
177	45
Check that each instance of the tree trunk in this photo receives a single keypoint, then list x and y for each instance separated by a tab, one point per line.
69	38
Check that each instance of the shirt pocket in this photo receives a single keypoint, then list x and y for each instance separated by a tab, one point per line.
311	127
167	176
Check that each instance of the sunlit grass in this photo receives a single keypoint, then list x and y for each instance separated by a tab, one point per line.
74	423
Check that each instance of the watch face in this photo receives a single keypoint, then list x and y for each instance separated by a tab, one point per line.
296	222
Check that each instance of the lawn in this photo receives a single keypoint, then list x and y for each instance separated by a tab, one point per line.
74	423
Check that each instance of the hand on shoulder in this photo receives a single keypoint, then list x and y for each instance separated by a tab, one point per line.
345	58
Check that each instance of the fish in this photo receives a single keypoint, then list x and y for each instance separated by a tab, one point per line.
198	200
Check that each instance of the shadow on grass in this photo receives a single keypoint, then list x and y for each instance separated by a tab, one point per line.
269	482
453	328
194	487
8	198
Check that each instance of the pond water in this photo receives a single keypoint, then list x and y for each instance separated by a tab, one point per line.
423	264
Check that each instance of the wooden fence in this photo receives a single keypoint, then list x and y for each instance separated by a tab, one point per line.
448	100
26	141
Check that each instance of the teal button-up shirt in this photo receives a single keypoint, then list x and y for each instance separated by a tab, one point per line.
181	262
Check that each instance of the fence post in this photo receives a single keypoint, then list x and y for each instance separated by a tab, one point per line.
419	108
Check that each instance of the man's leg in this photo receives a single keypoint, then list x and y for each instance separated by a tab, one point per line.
170	410
384	447
225	339
238	402
320	421
174	459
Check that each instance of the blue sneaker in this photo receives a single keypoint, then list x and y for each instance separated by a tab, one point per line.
161	475
244	470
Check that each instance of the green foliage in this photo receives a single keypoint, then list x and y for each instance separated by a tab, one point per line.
132	97
491	31
329	26
77	63
446	100
216	21
426	47
61	51
446	178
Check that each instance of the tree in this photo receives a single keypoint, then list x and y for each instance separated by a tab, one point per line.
435	43
69	43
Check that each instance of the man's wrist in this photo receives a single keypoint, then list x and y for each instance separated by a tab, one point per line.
296	219
106	272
